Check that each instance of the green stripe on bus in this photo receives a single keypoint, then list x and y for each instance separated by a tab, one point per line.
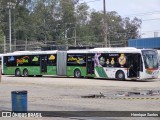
101	72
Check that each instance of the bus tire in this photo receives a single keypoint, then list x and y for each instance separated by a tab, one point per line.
38	75
25	73
120	75
17	73
30	75
77	73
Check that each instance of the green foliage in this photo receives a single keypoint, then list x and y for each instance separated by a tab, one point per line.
1	40
60	21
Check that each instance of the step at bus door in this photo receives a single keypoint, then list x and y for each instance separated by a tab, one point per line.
90	64
43	63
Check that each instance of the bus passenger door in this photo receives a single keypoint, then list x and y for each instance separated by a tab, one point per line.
135	65
43	63
90	64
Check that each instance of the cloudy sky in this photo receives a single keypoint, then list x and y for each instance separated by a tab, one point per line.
147	10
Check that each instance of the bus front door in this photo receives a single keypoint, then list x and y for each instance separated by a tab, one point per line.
43	64
135	65
90	64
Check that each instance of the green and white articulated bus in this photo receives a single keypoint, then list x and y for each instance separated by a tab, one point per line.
110	63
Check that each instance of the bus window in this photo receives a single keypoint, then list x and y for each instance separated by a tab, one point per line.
76	60
150	59
10	61
52	58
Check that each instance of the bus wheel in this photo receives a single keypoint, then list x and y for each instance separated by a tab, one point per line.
25	73
38	75
120	75
17	73
77	73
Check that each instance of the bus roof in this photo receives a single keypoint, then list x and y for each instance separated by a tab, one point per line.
117	50
30	53
94	50
109	50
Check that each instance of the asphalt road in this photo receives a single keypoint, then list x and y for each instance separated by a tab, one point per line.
69	94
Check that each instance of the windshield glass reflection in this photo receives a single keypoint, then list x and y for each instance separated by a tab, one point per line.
150	58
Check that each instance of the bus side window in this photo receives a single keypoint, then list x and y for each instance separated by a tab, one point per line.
51	60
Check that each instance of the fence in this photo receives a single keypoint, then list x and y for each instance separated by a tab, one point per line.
22	45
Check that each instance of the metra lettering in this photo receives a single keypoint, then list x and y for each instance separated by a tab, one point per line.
21	61
75	59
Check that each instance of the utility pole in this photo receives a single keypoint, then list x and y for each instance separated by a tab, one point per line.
105	24
26	45
10	6
15	43
10	37
66	38
75	37
75	28
4	44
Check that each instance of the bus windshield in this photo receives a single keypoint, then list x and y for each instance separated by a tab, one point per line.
150	58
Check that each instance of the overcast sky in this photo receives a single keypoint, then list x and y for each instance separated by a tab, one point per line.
147	10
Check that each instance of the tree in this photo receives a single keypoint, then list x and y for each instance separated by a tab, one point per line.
96	23
1	41
132	28
119	29
83	29
64	21
82	13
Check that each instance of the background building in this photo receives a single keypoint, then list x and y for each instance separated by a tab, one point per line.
145	43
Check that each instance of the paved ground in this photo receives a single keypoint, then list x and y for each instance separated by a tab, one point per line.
65	94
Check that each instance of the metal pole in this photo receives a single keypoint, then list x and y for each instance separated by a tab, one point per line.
66	38
26	44
14	35
105	25
75	39
10	31
4	44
